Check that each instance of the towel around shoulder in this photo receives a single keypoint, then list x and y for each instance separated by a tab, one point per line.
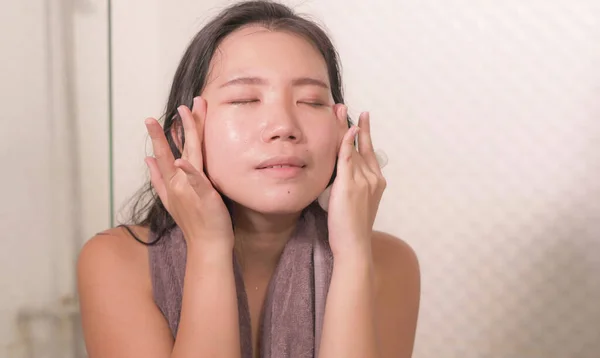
294	307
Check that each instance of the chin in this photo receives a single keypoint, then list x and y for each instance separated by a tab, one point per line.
279	208
285	203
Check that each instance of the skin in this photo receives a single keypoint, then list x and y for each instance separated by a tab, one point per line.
374	294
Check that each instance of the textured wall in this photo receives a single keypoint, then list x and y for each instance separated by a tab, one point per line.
488	111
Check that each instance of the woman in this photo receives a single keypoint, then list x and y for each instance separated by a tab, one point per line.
236	259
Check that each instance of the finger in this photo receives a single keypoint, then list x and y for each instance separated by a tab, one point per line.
157	180
160	147
365	143
181	133
187	168
341	113
199	111
345	155
360	165
197	179
191	147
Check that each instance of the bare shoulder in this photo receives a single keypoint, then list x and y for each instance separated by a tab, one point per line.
397	294
115	297
116	250
393	257
118	238
397	270
115	261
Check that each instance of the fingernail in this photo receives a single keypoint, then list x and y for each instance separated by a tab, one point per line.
148	121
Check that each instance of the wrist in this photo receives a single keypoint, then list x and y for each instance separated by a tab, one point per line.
357	250
353	273
212	251
351	259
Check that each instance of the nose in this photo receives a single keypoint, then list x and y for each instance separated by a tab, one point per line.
282	125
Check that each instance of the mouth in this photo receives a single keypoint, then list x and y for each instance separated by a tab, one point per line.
282	167
282	162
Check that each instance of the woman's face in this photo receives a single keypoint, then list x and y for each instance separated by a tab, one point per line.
271	135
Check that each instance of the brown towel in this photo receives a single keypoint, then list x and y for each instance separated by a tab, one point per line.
295	304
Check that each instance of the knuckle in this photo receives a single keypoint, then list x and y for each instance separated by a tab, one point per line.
362	182
372	179
382	182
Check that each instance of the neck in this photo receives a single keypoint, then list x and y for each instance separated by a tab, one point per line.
260	238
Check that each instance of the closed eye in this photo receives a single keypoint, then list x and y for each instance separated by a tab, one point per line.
244	101
250	101
314	104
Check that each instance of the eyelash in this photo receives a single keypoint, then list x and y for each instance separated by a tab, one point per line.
248	101
244	102
314	104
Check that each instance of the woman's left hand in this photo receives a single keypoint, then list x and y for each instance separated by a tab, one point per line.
356	191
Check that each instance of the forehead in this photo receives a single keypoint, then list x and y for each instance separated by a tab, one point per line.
257	51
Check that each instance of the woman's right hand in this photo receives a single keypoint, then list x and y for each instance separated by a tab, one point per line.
182	186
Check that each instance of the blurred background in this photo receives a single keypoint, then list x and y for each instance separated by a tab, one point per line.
488	111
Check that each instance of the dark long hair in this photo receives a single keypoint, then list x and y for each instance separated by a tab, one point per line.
190	79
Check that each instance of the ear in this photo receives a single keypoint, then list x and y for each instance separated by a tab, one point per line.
341	120
177	133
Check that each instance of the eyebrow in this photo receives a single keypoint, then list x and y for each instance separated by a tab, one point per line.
302	81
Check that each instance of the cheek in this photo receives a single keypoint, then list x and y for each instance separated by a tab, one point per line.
224	138
325	141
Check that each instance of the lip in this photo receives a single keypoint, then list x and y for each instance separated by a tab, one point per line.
285	161
282	167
